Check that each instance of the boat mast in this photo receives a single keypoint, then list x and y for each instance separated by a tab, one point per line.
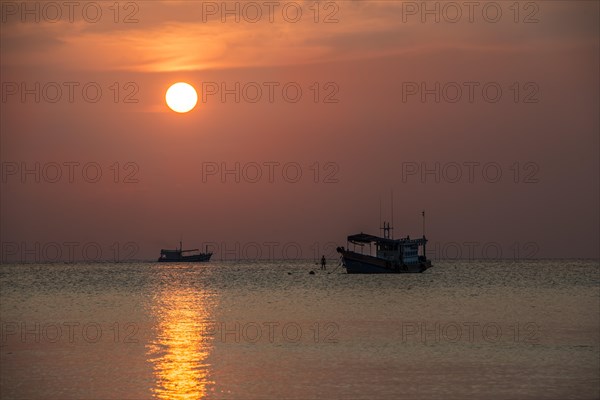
386	228
424	240
380	226
392	200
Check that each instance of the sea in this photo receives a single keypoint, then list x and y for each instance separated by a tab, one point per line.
527	329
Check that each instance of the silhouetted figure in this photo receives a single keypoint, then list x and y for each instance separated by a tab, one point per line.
323	263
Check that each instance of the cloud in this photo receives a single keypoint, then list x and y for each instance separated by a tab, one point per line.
176	36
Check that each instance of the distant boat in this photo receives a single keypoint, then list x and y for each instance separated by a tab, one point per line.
178	256
391	255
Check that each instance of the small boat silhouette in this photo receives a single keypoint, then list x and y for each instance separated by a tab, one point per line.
178	255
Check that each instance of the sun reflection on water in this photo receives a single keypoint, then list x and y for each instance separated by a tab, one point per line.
178	353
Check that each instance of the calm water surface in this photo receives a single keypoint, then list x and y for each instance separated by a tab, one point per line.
269	330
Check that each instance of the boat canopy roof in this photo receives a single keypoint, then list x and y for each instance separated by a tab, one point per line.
177	251
363	238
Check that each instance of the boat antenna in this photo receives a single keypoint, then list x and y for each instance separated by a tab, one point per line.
423	214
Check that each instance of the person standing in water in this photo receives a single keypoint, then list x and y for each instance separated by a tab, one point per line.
323	263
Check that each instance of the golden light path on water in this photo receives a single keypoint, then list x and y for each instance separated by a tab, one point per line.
181	343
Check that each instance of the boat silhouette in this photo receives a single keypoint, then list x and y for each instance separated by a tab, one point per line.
391	255
178	255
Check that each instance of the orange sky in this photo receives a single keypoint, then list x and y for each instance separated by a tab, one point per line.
364	140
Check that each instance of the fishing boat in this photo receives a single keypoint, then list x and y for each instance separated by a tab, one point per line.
178	255
404	255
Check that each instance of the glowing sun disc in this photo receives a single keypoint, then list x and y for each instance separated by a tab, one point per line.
181	97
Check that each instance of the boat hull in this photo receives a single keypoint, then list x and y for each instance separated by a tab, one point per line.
203	257
356	263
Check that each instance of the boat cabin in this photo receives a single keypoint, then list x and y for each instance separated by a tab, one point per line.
405	250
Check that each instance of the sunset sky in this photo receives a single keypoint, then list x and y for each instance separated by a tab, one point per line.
362	127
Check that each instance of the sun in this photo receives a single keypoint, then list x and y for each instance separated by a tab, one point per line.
181	97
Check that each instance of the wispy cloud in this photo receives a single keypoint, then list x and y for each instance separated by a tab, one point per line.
175	36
